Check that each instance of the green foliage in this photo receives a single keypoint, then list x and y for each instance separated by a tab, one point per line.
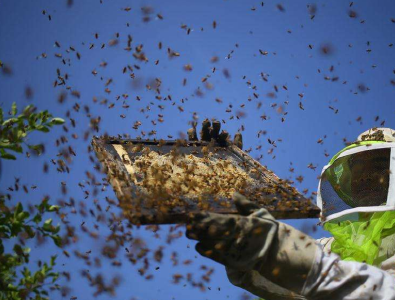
13	131
17	225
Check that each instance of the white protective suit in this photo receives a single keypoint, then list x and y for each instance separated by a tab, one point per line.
330	277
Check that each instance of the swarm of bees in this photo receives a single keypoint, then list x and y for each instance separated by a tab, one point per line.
375	135
166	182
160	182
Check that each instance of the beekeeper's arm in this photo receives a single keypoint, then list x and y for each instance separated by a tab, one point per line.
275	261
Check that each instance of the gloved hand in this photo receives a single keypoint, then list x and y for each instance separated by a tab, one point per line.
211	131
254	241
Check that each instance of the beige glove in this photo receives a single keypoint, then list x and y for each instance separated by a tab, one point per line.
255	242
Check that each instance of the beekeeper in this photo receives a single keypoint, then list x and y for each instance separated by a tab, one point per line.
275	261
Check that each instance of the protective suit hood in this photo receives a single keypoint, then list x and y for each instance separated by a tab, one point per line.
356	195
360	177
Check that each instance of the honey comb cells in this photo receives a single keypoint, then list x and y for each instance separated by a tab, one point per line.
188	175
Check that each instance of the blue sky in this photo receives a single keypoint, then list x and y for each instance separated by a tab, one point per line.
342	94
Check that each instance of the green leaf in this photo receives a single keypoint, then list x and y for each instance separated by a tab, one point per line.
29	230
37	218
44	116
57	240
53	208
55	277
32	122
39	276
48	225
15	228
3	145
13	109
26	272
52	261
6	155
1	115
13	147
18	209
22	216
57	121
43	205
42	128
10	121
21	134
56	229
27	109
18	250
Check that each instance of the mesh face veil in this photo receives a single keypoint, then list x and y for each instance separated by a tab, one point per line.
358	179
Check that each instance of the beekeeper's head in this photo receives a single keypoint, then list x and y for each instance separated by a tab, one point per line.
358	178
356	193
